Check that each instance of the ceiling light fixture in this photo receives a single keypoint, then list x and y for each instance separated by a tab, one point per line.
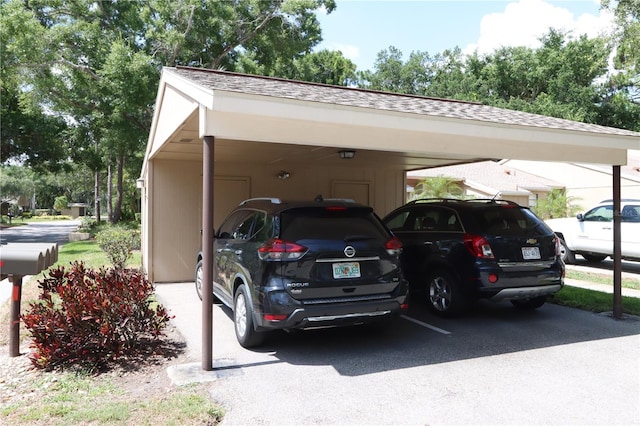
283	175
347	154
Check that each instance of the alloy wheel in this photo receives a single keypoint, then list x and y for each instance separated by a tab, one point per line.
240	314
440	293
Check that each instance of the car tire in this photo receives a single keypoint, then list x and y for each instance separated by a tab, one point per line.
594	257
243	319
444	294
198	282
529	304
567	255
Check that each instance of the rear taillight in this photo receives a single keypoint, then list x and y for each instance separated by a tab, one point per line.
478	246
279	250
393	246
558	246
275	317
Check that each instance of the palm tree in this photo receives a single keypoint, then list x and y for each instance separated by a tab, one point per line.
438	187
557	204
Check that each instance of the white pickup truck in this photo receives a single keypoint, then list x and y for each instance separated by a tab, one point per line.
591	234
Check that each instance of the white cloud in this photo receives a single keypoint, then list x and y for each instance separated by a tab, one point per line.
523	22
348	51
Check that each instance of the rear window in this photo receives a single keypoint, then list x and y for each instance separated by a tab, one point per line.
509	220
631	213
330	224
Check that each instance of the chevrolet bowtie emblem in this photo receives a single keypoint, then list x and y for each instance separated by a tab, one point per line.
532	241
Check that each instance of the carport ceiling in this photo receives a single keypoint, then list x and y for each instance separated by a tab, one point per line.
269	121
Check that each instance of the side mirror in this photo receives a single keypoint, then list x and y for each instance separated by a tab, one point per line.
224	236
580	217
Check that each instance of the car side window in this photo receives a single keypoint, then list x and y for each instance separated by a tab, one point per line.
436	219
398	222
260	229
427	221
599	214
249	226
226	230
243	230
631	213
452	222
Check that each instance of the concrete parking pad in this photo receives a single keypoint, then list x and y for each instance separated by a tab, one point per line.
499	366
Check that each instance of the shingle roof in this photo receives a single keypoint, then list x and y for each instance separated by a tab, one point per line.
490	174
354	97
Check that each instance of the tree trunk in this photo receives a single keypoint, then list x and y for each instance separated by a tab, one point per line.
120	189
96	191
110	192
96	186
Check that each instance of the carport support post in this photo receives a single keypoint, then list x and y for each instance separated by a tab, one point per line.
617	249
14	321
207	253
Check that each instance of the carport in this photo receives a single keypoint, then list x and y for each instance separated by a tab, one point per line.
219	137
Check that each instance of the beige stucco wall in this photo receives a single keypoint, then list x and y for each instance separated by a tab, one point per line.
174	218
587	185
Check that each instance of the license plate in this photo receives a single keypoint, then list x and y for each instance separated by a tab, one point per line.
346	270
530	253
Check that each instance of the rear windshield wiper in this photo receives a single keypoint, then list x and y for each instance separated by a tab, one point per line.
349	238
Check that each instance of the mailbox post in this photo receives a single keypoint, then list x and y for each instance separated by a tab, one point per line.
14	320
16	261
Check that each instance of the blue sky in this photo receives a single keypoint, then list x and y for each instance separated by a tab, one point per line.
362	28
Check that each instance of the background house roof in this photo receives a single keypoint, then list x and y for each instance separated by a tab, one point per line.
491	176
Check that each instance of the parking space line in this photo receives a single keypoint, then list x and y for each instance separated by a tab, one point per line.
424	324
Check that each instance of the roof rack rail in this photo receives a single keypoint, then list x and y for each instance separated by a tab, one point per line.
319	199
341	200
432	200
494	200
271	200
622	200
463	200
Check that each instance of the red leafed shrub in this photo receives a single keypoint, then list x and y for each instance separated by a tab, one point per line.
92	317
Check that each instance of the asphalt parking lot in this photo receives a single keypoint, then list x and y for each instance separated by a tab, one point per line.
497	365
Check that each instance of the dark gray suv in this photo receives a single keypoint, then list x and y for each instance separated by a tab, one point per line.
296	265
458	251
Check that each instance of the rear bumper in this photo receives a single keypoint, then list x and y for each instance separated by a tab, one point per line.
526	292
521	281
335	314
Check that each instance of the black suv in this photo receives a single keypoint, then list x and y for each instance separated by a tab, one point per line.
297	265
457	251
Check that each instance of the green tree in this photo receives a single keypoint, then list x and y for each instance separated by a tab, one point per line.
15	182
557	204
60	203
389	73
325	66
443	75
438	187
627	14
28	134
215	34
620	97
97	64
561	78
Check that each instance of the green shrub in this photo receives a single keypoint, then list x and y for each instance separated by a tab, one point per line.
61	203
118	243
90	318
87	224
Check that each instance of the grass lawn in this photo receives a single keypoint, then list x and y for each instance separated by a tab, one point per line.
91	254
594	301
73	398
